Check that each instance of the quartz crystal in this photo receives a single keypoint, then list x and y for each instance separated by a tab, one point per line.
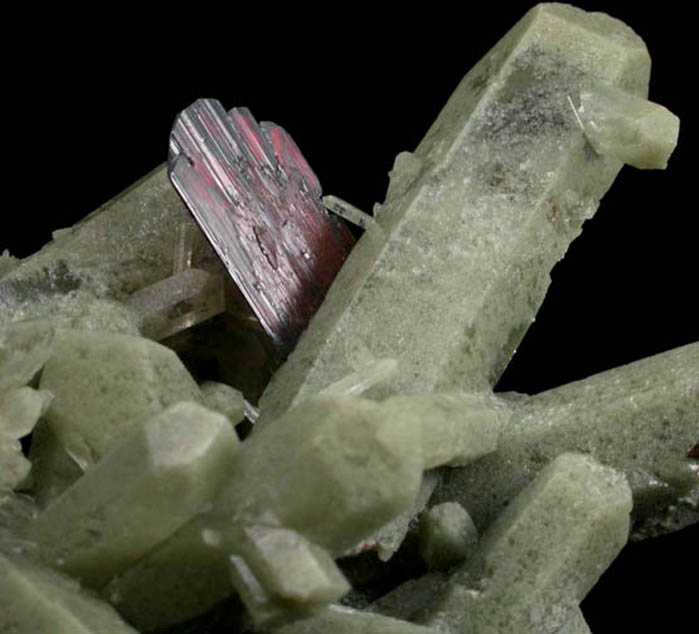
542	555
161	477
36	600
447	535
615	416
106	385
220	414
469	244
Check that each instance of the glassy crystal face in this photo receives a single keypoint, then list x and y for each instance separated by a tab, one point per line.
384	486
258	202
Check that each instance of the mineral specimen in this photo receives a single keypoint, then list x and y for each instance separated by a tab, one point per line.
385	487
106	385
156	481
542	555
453	315
258	202
41	601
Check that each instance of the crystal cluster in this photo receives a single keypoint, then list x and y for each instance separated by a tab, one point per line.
378	484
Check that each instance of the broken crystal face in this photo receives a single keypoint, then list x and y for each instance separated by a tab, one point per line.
502	469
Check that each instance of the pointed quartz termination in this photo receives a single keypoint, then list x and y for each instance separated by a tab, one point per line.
476	218
280	575
335	471
258	202
542	555
166	473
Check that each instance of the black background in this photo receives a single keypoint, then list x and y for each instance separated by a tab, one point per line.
90	98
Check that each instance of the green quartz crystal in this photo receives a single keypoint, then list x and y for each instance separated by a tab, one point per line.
334	470
388	539
342	620
336	453
542	555
123	246
447	535
281	575
641	418
181	578
24	348
154	502
456	428
36	600
469	243
20	408
165	474
224	399
106	386
630	129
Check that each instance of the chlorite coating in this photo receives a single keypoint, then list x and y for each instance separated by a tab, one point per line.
475	219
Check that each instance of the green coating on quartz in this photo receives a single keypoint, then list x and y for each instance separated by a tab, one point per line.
464	265
107	385
161	477
142	490
641	418
456	428
542	555
223	399
339	620
332	452
279	574
447	535
36	600
633	130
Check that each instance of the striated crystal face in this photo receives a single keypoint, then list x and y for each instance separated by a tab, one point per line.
258	202
384	483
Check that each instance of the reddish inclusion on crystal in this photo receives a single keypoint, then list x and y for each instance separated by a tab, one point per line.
258	202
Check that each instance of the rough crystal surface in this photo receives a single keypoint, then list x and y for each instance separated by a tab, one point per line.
328	453
542	555
279	574
180	526
447	535
106	385
20	409
36	600
633	130
138	495
24	348
453	315
456	428
224	399
616	416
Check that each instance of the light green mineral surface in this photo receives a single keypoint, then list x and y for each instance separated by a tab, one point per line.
447	535
161	477
641	418
36	600
488	513
106	385
469	244
542	555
